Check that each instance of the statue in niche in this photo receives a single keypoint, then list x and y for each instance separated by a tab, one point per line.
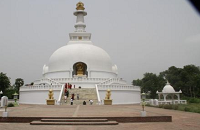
79	68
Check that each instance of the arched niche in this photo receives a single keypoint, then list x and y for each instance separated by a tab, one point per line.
80	69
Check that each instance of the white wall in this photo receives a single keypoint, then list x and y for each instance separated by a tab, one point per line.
122	96
102	74
36	96
58	74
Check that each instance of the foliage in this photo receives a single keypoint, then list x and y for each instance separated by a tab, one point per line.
186	79
191	107
150	83
18	83
191	100
175	107
10	105
9	93
187	109
167	106
4	82
161	105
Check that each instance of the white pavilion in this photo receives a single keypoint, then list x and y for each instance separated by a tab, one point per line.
168	91
83	65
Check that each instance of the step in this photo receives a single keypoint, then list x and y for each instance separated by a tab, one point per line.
74	123
85	94
74	120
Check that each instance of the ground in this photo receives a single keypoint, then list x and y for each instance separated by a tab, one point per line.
180	120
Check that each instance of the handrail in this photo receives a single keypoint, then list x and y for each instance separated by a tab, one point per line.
98	97
61	94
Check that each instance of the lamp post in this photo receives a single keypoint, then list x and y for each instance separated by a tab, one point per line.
0	94
143	100
15	97
143	103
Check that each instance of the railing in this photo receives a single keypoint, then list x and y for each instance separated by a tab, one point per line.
118	87
97	91
65	80
37	81
46	80
113	80
41	87
102	81
61	94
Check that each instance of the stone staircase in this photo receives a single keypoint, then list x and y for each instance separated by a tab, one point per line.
85	94
74	121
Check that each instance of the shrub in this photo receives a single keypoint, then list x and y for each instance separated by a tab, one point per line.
160	105
167	106
197	111
175	107
186	109
148	105
10	105
194	100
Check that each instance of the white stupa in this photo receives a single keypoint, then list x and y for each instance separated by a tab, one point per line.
81	64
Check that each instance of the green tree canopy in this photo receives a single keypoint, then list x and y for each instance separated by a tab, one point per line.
4	82
150	83
18	83
186	79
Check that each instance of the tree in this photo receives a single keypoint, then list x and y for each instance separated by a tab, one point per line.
4	82
191	80
186	79
137	82
150	83
18	83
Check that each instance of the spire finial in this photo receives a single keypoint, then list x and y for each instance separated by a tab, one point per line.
80	6
168	82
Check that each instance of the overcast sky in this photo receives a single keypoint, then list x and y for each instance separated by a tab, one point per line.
139	35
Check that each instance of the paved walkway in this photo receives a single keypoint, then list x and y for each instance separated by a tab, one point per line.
180	120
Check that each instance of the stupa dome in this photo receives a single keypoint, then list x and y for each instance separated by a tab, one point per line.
168	88
94	57
80	57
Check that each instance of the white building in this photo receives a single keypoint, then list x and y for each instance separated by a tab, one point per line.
168	91
83	64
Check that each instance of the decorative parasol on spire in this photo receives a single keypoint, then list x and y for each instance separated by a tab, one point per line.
80	6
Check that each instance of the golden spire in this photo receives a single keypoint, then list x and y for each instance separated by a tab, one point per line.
80	6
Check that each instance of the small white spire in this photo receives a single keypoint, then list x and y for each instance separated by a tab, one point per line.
80	33
167	83
80	13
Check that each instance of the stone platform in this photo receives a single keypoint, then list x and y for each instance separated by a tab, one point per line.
180	120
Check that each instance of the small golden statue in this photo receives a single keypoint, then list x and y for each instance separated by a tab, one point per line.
51	100
79	68
80	6
107	100
51	94
108	94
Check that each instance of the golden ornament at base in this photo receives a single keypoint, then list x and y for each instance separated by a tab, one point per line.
107	102
50	101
